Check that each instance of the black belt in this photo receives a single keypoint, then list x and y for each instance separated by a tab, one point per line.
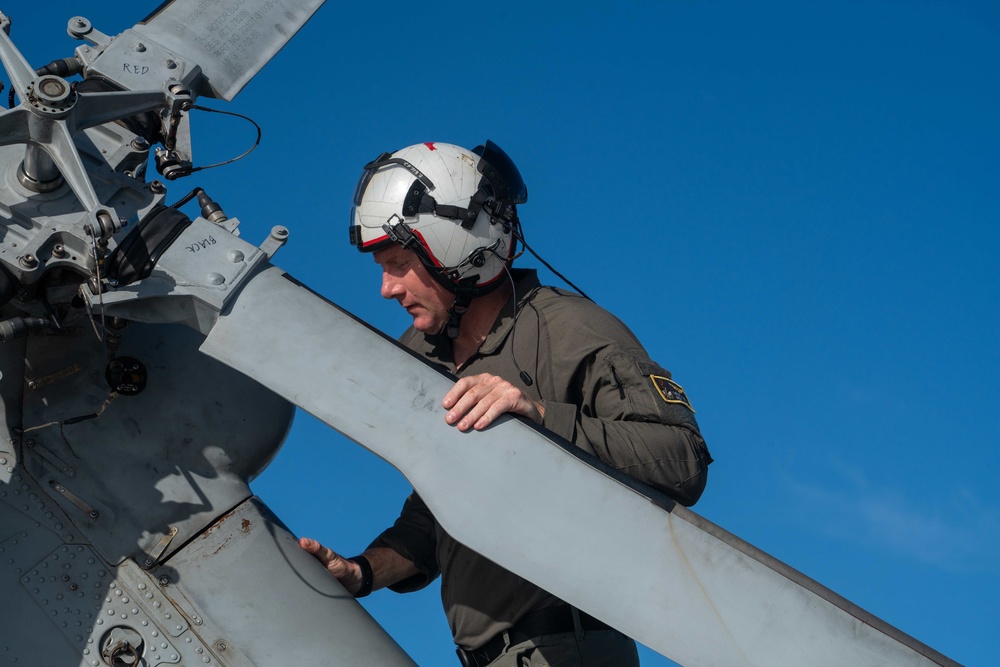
547	621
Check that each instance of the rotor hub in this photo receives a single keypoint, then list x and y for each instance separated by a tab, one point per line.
51	94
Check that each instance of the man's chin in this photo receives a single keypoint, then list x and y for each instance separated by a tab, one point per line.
427	325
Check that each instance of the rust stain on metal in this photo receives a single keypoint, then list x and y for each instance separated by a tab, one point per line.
246	525
217	526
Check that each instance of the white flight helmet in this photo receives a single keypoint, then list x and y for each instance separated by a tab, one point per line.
454	208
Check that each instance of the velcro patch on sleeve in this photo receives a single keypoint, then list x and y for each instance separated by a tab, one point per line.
670	391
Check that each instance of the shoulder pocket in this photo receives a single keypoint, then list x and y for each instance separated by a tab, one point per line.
651	392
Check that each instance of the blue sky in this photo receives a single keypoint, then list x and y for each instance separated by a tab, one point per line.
795	205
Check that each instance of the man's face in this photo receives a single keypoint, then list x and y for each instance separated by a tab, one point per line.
405	279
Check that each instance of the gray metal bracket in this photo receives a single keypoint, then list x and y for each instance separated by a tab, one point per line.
81	28
193	281
274	242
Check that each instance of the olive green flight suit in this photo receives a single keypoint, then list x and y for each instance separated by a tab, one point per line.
601	391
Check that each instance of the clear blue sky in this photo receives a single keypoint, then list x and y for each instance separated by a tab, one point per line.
795	205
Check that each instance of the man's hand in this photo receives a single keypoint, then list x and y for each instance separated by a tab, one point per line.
476	401
388	567
347	572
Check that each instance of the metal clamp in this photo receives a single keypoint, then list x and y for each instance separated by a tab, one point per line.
75	499
158	549
274	242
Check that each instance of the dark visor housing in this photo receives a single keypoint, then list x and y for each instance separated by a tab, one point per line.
500	172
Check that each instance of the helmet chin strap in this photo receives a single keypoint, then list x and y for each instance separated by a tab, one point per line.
465	291
455	313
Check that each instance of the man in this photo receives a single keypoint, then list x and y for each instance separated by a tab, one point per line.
442	224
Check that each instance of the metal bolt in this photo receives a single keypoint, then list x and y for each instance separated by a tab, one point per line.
140	47
140	144
58	251
157	188
171	64
94	514
164	580
30	443
29	262
221	645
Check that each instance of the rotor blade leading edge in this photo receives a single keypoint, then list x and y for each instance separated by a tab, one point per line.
514	493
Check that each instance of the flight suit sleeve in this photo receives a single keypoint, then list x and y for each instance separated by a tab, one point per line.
621	406
633	417
414	537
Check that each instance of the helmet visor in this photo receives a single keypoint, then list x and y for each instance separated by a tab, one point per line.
500	172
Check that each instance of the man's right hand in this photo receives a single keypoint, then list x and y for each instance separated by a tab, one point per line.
347	572
475	401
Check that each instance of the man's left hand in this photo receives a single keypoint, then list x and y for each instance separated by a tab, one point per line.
476	401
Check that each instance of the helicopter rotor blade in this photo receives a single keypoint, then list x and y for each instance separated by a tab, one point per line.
541	508
230	41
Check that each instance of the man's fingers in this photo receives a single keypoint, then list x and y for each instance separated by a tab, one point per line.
464	397
468	390
494	411
325	555
504	398
310	545
335	564
497	402
476	401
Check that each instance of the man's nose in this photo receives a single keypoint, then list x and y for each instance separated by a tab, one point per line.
391	287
